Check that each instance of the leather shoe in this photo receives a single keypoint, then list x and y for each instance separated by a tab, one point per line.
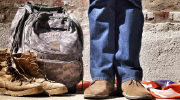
99	89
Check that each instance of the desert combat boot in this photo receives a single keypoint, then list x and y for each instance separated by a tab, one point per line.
27	65
12	82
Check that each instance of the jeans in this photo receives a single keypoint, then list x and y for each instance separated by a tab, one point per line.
116	28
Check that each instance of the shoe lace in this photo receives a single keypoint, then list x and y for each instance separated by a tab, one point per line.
18	76
45	70
134	82
14	72
8	59
33	59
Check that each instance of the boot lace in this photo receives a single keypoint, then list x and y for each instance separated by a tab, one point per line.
17	76
14	72
33	60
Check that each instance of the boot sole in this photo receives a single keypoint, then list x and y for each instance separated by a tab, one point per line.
138	97
90	96
3	91
33	91
56	91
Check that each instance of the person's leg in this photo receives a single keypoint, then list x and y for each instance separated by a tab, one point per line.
102	39
129	27
102	48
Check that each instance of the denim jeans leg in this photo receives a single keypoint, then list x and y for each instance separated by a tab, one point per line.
129	28
102	39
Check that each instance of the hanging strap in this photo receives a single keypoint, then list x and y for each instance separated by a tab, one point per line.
80	32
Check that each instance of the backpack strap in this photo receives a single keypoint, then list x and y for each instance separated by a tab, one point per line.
43	8
82	73
80	32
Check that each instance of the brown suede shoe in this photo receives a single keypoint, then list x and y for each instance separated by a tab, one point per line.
133	89
99	89
26	64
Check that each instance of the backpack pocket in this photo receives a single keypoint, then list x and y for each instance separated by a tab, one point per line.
65	72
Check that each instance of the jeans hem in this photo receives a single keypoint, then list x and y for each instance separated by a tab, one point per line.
103	78
128	79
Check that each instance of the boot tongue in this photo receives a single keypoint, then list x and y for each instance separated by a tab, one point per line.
4	54
26	54
4	51
3	64
31	66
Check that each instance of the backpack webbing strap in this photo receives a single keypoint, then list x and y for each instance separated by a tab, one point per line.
80	32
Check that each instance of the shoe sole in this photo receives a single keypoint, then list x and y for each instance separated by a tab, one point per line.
56	91
3	91
138	97
33	91
90	96
118	93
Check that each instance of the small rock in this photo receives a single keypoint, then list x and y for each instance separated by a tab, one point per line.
176	16
65	3
150	15
2	16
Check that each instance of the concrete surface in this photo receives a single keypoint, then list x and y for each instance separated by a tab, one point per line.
160	52
78	96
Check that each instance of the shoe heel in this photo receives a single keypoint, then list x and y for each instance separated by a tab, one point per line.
119	94
112	93
3	91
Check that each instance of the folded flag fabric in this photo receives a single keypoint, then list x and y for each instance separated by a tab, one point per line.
162	89
86	84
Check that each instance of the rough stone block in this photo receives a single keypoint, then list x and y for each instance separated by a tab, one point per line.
176	16
86	57
149	27
162	27
4	34
176	27
150	15
2	16
162	15
160	52
161	5
145	14
171	14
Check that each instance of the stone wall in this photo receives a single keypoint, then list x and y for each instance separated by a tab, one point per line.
161	40
159	55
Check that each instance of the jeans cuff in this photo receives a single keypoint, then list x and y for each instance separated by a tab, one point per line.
103	78
128	79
